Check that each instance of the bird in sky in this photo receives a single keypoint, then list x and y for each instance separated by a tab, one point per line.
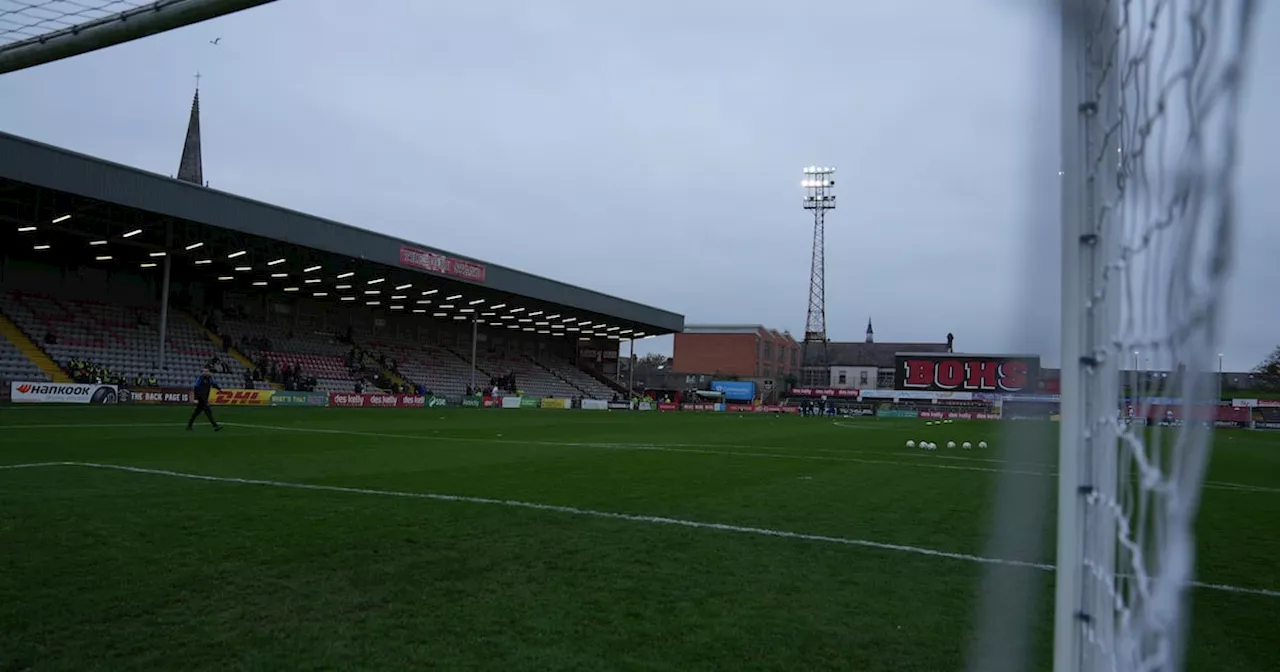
215	41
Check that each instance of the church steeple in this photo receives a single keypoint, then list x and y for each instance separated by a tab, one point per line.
191	167
871	335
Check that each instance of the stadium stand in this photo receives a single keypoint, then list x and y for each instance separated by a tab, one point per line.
591	388
14	365
272	346
117	339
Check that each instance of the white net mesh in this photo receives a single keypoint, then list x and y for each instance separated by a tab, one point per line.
1159	94
24	19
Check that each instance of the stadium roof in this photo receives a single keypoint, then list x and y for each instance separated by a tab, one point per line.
134	215
879	355
733	329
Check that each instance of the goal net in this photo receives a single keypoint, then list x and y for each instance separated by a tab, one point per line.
34	32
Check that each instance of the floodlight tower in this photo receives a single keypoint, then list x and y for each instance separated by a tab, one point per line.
818	185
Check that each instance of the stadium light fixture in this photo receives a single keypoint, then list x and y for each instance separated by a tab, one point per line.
401	288
475	302
260	283
312	281
544	331
320	295
488	314
446	306
479	321
584	338
343	276
372	303
26	229
372	292
513	326
40	247
348	298
552	317
399	297
459	317
557	326
105	257
508	317
59	220
97	242
155	255
279	275
517	310
541	324
535	313
424	302
455	297
585	324
397	307
640	334
376	281
130	234
202	262
439	314
613	328
569	319
342	287
466	310
525	320
311	269
498	306
419	310
275	262
528	329
193	246
429	292
290	289
242	269
233	255
149	264
225	278
573	329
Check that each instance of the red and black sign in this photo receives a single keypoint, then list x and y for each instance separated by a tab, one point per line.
947	372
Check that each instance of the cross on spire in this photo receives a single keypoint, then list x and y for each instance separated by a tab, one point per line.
197	80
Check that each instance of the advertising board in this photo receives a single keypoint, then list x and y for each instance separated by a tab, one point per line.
619	406
299	399
233	397
436	402
668	406
434	262
512	402
896	413
26	392
823	392
757	408
950	372
594	405
702	407
735	390
148	395
957	415
929	395
352	400
555	403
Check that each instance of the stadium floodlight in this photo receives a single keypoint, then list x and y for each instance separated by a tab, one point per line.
372	291
541	324
419	310
291	289
498	306
552	317
312	281
40	247
625	331
613	328
544	331
508	317
401	288
225	278
344	276
459	317
279	275
275	262
397	307
557	326
573	329
475	302
202	262
513	326
446	306
348	298
424	302
105	257
429	292
148	264
399	297
466	310
517	310
535	313
488	314
376	281
320	295
234	255
529	329
35	33
242	269
311	269
156	254
640	334
193	246
439	314
342	286
373	303
61	219
260	283
569	319
455	297
585	324
97	242
525	320
130	234
26	229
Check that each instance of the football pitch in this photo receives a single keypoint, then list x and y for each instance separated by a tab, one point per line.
457	539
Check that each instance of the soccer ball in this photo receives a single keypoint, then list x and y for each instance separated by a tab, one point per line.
951	444
982	444
911	444
966	445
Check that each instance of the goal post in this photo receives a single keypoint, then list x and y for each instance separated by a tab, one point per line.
33	34
1150	97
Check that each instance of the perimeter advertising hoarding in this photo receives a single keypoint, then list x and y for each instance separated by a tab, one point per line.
151	395
351	400
233	397
950	372
300	399
823	392
555	403
27	392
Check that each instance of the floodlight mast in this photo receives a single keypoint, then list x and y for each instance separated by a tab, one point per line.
819	184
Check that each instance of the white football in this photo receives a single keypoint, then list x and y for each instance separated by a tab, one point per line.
951	444
982	444
966	445
911	444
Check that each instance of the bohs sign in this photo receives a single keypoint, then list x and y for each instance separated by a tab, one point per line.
966	373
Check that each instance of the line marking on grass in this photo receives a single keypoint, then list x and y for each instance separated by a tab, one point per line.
608	515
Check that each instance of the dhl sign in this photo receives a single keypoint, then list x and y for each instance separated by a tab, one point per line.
241	397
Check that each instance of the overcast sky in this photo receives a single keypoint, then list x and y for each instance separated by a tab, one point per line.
653	150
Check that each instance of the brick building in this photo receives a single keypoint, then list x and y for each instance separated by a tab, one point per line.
749	351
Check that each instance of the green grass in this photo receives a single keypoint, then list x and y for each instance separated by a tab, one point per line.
107	569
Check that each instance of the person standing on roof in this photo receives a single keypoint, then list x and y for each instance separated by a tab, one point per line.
204	384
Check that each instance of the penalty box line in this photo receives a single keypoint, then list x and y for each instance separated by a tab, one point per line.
607	515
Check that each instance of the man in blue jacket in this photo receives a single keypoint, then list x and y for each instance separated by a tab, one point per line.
204	384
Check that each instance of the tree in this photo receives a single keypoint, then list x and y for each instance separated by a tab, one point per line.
790	381
652	360
1267	374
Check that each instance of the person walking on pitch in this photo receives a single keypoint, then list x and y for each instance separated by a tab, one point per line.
201	393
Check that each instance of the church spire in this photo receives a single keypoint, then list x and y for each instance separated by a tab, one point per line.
191	167
871	335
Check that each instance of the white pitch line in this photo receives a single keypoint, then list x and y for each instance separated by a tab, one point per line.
697	449
609	515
